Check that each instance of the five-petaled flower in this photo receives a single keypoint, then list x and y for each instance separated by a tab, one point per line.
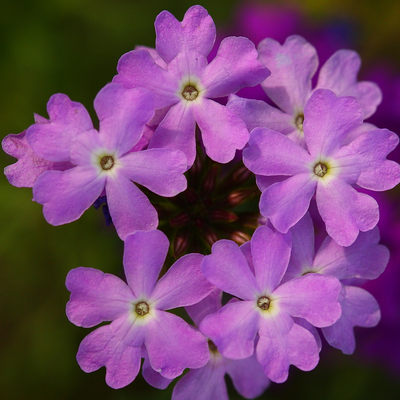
137	311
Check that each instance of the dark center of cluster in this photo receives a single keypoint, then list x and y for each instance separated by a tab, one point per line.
190	93
264	303
142	308
106	163
320	169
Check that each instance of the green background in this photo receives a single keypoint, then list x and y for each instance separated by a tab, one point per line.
72	47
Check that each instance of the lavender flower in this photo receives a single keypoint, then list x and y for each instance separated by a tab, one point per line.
328	168
67	119
183	82
293	65
208	382
105	164
268	307
364	259
137	312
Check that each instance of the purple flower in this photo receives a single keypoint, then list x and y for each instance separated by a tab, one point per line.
208	382
254	273
29	165
186	84
137	312
105	164
293	65
328	167
67	118
364	259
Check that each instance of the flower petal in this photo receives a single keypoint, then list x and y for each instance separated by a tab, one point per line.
96	297
248	376
302	255
177	131
227	268
258	113
66	195
286	202
173	345
235	66
312	297
233	329
52	140
223	132
202	384
138	69
123	114
271	153
345	211
328	119
276	352
130	209
196	32
271	253
29	166
160	170
183	284
371	149
339	74
144	256
104	347
365	258
359	309
209	305
292	66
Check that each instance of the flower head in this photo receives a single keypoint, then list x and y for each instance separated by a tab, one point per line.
253	273
329	167
186	82
104	163
137	311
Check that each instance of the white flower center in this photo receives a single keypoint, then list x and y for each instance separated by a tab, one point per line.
320	169
142	308
264	302
190	93
106	163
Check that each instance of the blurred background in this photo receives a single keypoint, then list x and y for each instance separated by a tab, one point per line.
72	47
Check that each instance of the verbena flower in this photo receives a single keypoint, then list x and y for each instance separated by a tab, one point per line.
183	82
208	382
137	311
104	163
66	119
29	166
328	167
364	259
268	307
293	66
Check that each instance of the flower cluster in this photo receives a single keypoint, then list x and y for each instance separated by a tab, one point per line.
161	128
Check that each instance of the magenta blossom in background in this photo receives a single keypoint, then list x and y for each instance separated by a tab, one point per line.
327	167
184	83
104	164
268	307
137	312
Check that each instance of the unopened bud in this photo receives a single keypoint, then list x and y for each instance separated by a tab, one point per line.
240	237
180	219
223	216
180	244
